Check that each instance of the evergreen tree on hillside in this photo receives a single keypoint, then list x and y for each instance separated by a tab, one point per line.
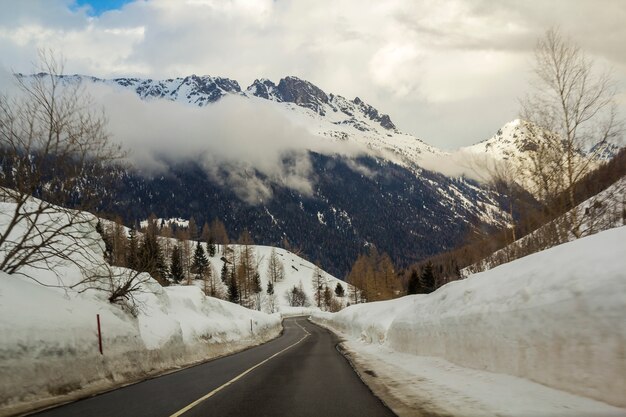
339	291
414	286
211	249
233	290
271	297
150	257
256	283
108	245
176	265
256	290
132	250
224	273
427	280
200	262
328	298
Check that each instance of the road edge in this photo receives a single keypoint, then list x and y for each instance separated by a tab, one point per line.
23	410
369	377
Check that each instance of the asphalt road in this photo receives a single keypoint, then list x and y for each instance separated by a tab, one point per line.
298	374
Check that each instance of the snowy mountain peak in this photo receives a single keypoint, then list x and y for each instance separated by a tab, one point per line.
198	90
373	114
303	93
306	94
263	88
509	142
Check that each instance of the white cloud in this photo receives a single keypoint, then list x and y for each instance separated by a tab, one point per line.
433	66
267	148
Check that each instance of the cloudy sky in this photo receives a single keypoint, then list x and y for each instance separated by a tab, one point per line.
449	72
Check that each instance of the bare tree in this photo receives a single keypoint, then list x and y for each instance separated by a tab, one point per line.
573	111
122	286
275	268
318	281
53	146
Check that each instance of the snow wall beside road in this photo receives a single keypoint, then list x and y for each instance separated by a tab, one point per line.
556	317
49	340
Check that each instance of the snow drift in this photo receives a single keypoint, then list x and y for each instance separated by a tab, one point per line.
48	335
555	317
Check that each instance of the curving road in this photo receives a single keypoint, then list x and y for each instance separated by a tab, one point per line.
298	374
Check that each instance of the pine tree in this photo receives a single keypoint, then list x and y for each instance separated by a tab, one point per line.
339	291
427	280
176	266
414	286
256	283
132	250
233	290
150	257
457	271
224	273
271	297
200	261
328	298
108	245
257	289
212	287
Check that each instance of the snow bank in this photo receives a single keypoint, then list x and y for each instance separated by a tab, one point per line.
48	334
555	317
49	346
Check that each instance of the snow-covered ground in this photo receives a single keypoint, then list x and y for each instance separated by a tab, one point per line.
542	335
298	272
48	335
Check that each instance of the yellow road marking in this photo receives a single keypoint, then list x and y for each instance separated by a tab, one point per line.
241	375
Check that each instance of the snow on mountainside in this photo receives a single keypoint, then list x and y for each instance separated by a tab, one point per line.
513	141
324	115
336	118
507	144
192	89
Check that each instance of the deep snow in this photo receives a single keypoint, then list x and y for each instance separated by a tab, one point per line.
555	318
48	335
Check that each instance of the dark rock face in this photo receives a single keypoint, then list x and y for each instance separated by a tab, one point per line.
372	113
194	89
263	89
302	93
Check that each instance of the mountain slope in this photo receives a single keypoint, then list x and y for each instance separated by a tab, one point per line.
382	204
384	199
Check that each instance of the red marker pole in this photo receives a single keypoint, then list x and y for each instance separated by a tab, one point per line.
99	334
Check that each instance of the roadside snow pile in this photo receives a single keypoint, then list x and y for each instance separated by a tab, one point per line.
555	317
48	335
